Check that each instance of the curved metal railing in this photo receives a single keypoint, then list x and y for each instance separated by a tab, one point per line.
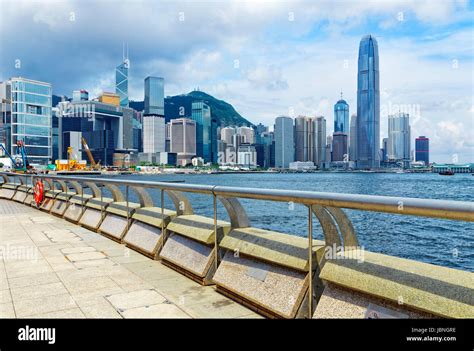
327	207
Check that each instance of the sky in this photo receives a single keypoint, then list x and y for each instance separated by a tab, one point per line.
266	58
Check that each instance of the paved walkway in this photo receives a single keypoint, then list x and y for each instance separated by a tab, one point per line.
51	268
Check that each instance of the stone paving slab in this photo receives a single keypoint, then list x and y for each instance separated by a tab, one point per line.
71	272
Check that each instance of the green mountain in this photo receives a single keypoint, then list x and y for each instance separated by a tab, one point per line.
223	112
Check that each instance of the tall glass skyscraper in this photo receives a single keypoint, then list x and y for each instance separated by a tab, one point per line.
422	149
341	117
31	119
368	105
284	142
201	113
121	82
155	96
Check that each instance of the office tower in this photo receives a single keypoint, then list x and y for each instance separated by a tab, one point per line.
248	135
221	146
339	147
201	114
422	149
260	128
27	117
55	143
328	152
183	139
353	138
304	139
384	149
268	152
284	142
399	138
154	96
368	105
341	117
214	147
5	121
121	80
227	134
107	128
247	155
319	155
153	134
237	139
80	95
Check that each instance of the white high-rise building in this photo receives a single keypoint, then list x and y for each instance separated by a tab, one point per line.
227	134
248	135
153	134
399	146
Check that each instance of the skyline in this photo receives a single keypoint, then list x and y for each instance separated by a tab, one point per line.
425	59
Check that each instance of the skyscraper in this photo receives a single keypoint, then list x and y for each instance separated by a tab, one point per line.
154	96
353	138
319	156
201	114
121	80
226	135
304	139
153	134
368	105
422	149
284	142
399	138
183	139
29	103
247	133
341	116
339	146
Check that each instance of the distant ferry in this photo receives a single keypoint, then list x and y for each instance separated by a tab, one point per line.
448	172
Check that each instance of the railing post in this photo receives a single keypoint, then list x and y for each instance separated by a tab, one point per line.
162	195
128	211
82	198
216	244
310	261
102	202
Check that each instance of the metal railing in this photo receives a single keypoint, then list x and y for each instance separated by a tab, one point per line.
327	207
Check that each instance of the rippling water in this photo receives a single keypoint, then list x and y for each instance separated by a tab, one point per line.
436	241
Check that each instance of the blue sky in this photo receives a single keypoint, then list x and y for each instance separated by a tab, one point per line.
267	58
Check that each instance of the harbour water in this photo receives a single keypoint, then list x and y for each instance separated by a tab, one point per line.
441	242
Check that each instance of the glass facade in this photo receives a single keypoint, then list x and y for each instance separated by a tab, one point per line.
368	105
284	142
31	119
341	117
121	82
201	114
154	96
398	148
422	149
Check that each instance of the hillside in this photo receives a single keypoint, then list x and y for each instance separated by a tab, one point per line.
224	112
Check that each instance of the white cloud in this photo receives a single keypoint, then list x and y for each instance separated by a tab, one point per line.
280	67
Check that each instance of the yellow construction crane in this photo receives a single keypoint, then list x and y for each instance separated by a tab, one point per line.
94	165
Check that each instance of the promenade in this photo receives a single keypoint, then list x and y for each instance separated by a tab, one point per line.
51	268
